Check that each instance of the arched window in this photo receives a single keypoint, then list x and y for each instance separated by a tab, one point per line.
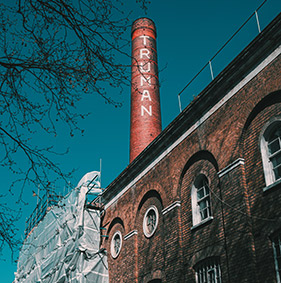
271	152
208	271
200	198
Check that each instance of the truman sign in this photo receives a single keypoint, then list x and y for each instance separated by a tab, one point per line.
145	102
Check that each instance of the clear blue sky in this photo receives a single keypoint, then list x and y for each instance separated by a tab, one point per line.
189	34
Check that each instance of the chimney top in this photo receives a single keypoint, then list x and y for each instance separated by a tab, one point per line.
143	23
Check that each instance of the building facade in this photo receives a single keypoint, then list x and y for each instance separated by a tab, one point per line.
201	203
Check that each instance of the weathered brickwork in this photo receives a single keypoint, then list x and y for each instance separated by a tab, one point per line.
226	148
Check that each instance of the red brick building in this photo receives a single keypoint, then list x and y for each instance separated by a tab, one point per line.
201	203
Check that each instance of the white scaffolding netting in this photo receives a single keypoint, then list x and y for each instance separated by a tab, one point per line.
64	246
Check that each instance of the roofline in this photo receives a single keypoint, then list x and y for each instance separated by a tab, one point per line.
248	59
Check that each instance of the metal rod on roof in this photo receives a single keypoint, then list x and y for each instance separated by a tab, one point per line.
258	22
179	99
211	69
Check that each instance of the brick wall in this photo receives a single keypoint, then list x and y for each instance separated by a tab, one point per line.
244	216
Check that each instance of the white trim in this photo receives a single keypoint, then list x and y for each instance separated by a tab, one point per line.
228	168
273	185
171	206
249	77
267	164
206	220
130	234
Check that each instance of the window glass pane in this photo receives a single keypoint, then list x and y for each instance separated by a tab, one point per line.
276	133
274	146
117	244
204	214
200	193
277	172
151	221
276	160
202	204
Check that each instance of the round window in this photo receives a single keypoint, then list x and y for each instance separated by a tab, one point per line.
150	221
116	244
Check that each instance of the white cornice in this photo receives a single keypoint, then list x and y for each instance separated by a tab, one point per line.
232	92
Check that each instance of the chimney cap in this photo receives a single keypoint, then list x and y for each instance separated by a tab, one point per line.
143	22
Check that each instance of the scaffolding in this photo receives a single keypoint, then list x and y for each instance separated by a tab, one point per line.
45	203
64	244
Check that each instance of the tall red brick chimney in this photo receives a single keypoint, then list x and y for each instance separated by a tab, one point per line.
145	100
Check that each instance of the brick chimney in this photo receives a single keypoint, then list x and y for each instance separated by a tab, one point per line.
145	100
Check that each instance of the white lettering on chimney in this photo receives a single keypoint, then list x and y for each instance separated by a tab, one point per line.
144	79
149	112
145	94
142	70
144	38
144	52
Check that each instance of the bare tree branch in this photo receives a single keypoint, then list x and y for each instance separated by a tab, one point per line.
52	52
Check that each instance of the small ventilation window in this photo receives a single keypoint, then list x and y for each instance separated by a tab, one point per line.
150	221
116	244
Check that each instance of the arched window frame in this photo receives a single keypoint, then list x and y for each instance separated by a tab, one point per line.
267	157
197	217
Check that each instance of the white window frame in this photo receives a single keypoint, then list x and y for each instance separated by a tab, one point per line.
196	215
113	251
266	156
205	268
146	231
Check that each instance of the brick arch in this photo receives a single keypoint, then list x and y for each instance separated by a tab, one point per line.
154	280
266	111
261	115
269	100
116	220
200	155
149	194
148	191
146	198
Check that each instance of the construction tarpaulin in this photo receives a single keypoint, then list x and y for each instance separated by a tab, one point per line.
65	245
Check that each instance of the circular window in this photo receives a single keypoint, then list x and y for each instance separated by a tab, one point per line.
116	244
150	221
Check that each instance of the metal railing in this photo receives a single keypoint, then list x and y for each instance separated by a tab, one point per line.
255	13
